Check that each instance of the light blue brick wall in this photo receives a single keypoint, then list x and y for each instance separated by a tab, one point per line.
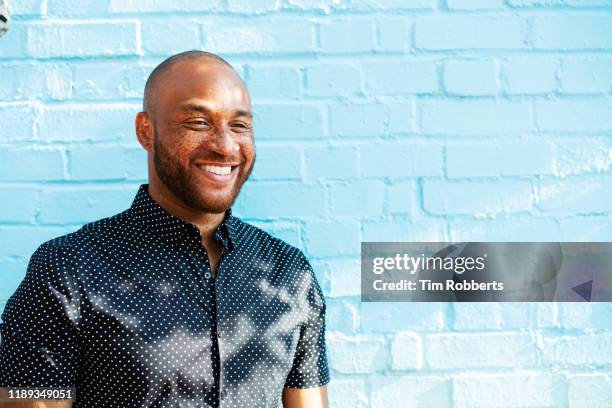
375	120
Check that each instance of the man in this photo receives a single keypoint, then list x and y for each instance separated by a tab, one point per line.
174	302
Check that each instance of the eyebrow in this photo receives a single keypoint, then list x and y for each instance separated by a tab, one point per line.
194	107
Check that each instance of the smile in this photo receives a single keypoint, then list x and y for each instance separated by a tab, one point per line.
219	170
220	173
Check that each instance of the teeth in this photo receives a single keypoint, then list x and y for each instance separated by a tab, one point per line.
222	171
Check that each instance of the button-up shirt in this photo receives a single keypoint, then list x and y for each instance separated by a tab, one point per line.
126	311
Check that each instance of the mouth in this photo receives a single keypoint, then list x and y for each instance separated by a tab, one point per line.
221	173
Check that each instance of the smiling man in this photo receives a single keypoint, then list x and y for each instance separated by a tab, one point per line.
174	302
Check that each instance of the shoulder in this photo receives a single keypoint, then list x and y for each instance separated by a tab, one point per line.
287	264
70	247
261	243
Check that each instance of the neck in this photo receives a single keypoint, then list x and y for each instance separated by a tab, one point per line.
207	223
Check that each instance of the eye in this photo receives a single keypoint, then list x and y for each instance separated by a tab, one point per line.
197	123
241	125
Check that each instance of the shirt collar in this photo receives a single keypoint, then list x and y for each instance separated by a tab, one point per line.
147	210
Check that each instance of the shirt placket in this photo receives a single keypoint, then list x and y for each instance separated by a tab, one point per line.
210	286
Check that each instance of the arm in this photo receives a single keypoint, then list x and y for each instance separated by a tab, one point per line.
305	397
39	338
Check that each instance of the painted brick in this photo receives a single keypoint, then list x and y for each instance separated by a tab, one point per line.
164	6
468	197
471	32
344	277
87	122
110	81
585	229
61	8
17	122
287	121
82	206
346	238
40	80
505	158
62	39
347	36
532	389
92	162
41	164
576	195
400	77
427	230
360	199
253	6
260	200
343	393
277	162
472	160
474	117
475	4
394	34
530	76
371	350
18	204
15	42
341	315
410	392
512	230
579	76
590	115
135	160
400	160
396	317
402	197
333	80
479	350
331	162
585	155
587	32
470	78
358	120
590	390
402	117
273	81
406	352
286	36
169	36
584	316
26	8
583	350
392	5
490	316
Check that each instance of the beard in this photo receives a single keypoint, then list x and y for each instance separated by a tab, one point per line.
182	182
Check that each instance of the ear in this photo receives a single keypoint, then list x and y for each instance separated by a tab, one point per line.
144	131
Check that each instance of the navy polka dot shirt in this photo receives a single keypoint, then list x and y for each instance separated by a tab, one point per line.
126	311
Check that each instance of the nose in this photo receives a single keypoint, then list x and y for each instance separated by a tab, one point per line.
222	142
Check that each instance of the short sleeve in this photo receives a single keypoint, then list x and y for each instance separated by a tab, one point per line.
310	367
39	343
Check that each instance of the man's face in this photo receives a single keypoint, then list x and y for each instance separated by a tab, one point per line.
203	148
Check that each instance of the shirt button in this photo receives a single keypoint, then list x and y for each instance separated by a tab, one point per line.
223	394
207	275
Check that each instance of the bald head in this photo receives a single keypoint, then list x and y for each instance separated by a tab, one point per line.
158	74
